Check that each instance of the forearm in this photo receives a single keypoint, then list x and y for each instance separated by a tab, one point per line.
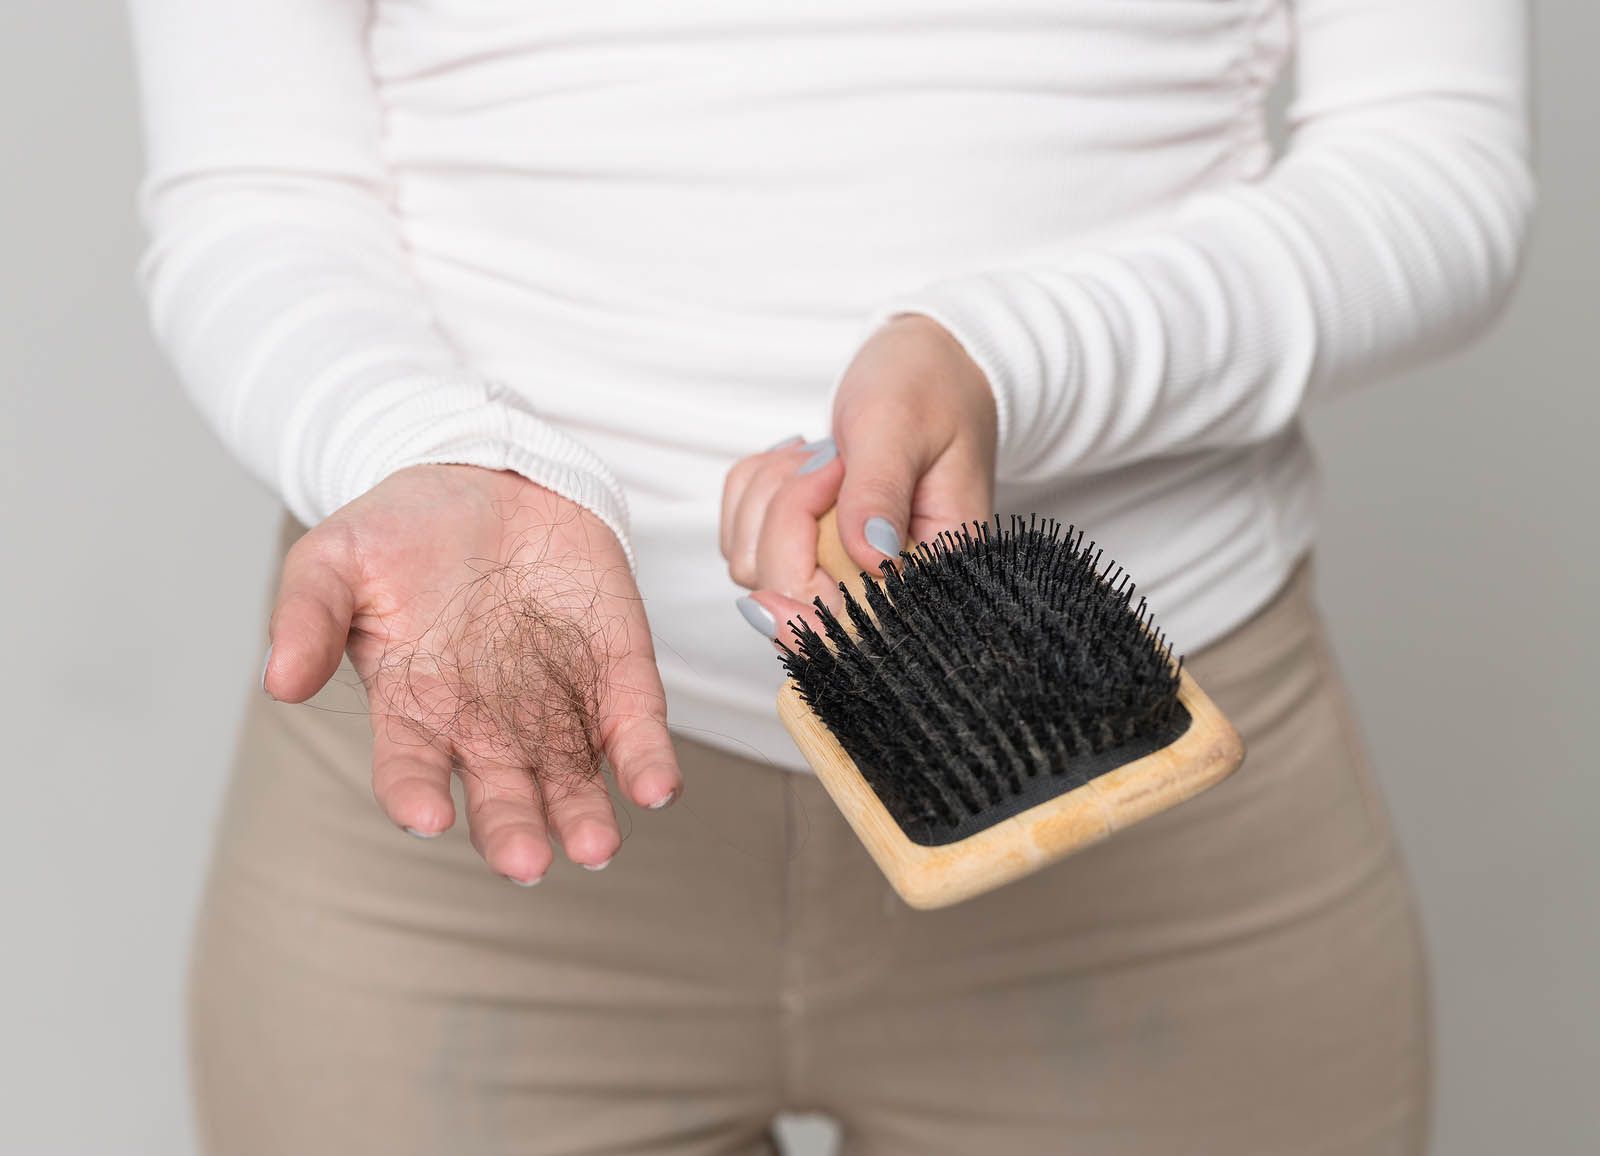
277	274
1390	232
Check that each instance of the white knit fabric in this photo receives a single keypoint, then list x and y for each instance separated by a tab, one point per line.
614	247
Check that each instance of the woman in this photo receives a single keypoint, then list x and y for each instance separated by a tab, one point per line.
501	298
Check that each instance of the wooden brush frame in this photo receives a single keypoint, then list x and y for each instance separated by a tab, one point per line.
926	877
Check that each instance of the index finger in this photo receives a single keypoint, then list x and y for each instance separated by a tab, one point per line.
786	546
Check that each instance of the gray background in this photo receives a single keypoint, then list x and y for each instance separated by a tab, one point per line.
1458	570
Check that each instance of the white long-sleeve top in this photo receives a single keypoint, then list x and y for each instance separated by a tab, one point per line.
615	247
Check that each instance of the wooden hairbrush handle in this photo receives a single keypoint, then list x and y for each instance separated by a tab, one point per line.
831	556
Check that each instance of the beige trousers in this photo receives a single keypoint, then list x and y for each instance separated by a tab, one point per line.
1241	976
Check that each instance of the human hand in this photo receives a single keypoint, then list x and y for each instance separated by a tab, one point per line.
499	634
912	453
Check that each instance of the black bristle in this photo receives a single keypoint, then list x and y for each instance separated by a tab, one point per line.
995	668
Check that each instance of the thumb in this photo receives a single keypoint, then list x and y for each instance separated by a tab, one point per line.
310	622
874	507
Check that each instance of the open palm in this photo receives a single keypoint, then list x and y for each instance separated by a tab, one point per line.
500	636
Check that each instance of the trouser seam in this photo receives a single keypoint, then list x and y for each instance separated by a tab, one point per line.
790	976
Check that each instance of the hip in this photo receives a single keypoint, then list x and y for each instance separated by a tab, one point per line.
1242	972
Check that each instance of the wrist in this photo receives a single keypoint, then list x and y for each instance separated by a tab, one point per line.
913	363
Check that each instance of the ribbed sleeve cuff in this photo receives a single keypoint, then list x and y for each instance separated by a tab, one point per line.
443	421
1013	330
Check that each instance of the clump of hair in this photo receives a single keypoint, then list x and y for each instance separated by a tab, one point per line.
511	670
994	668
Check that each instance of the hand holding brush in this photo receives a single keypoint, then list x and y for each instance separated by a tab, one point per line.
915	419
995	704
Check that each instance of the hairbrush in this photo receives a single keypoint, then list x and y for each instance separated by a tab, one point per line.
992	704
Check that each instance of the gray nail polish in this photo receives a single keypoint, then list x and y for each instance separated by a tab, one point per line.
822	452
416	834
265	662
784	443
757	616
882	536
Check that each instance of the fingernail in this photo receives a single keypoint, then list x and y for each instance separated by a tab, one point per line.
266	662
757	616
882	536
416	834
822	452
597	866
526	882
664	801
786	442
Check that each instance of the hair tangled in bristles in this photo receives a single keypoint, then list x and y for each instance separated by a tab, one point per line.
995	668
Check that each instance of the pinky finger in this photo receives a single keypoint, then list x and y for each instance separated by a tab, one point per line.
773	614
